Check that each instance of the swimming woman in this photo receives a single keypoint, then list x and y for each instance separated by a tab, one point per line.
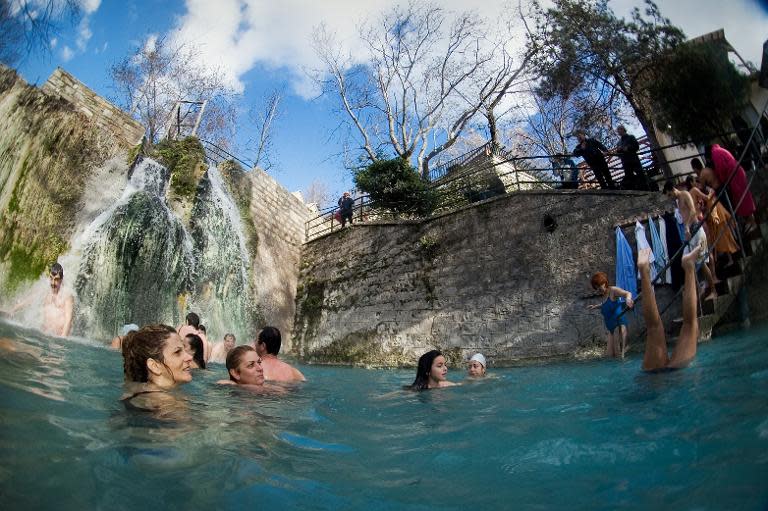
612	310
476	366
193	343
154	362
244	367
431	372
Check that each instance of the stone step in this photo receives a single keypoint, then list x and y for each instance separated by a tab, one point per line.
717	306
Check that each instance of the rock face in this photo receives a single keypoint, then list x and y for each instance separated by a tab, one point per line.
48	151
490	278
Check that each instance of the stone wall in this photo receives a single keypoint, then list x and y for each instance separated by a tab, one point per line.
98	110
279	218
488	277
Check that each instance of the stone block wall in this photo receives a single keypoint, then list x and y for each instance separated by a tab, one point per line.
279	217
99	111
486	278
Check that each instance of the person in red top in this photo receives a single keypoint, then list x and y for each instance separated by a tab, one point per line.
724	165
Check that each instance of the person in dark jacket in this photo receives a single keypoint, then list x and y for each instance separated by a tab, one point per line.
592	152
346	204
634	175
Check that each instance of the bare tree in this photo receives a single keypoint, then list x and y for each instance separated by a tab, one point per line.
263	118
150	80
424	72
27	26
318	193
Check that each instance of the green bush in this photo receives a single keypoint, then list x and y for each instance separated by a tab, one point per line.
396	186
185	160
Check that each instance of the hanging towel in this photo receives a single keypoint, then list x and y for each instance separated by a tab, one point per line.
680	226
674	242
658	251
663	237
625	265
642	243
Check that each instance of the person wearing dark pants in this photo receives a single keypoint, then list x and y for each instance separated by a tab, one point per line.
592	152
634	175
346	203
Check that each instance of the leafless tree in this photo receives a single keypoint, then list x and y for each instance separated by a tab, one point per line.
150	80
27	26
263	117
425	76
318	193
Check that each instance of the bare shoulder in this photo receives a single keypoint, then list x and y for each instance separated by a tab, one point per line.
297	374
225	382
449	384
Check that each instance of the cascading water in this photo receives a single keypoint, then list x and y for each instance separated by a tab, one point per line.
138	261
222	289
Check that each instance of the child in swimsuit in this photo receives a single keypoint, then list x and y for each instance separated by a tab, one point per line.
612	309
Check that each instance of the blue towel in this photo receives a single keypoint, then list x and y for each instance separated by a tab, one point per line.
658	250
625	265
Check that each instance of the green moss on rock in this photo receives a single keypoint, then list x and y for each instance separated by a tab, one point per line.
185	160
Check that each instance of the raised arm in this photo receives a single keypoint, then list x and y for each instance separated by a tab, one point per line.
617	291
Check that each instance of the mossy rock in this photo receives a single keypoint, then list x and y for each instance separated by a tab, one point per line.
185	160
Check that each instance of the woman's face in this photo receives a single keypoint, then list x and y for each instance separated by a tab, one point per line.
249	371
439	369
475	368
177	359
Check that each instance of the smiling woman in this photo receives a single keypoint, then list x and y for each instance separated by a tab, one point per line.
154	361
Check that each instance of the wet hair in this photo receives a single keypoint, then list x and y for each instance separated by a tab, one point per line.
196	343
57	269
193	319
423	369
668	186
141	345
270	336
230	335
234	358
598	279
697	165
202	328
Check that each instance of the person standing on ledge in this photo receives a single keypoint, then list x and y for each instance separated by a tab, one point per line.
58	305
592	152
634	175
267	347
346	203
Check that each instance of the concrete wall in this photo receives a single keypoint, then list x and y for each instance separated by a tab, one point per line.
98	110
488	277
279	217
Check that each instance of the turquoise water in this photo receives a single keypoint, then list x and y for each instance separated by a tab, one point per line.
597	435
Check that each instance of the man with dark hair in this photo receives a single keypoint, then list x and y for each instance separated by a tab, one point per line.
268	346
634	175
58	305
220	350
592	152
346	206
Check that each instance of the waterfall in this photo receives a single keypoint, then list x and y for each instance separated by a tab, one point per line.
222	286
137	262
140	264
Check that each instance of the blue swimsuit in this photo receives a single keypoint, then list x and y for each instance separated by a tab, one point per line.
611	310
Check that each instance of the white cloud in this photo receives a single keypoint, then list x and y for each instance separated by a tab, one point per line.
89	6
84	33
237	35
54	42
67	53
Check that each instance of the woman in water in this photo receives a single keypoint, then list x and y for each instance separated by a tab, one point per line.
193	343
612	310
154	362
431	372
244	367
476	366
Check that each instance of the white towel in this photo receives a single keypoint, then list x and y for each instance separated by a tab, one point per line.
642	243
663	236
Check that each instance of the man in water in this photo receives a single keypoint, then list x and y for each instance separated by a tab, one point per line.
58	305
656	357
267	347
220	350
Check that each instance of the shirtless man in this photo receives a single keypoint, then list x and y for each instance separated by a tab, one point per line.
193	327
220	350
267	347
58	305
656	356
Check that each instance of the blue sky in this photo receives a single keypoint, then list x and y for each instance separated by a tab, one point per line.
265	45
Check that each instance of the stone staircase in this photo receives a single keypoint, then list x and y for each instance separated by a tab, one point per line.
728	289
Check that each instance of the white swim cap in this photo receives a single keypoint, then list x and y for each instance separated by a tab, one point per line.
131	327
478	357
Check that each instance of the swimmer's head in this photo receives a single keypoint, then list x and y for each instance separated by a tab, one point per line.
599	282
155	353
56	276
476	366
194	346
229	341
244	366
425	368
201	328
270	339
130	327
193	319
